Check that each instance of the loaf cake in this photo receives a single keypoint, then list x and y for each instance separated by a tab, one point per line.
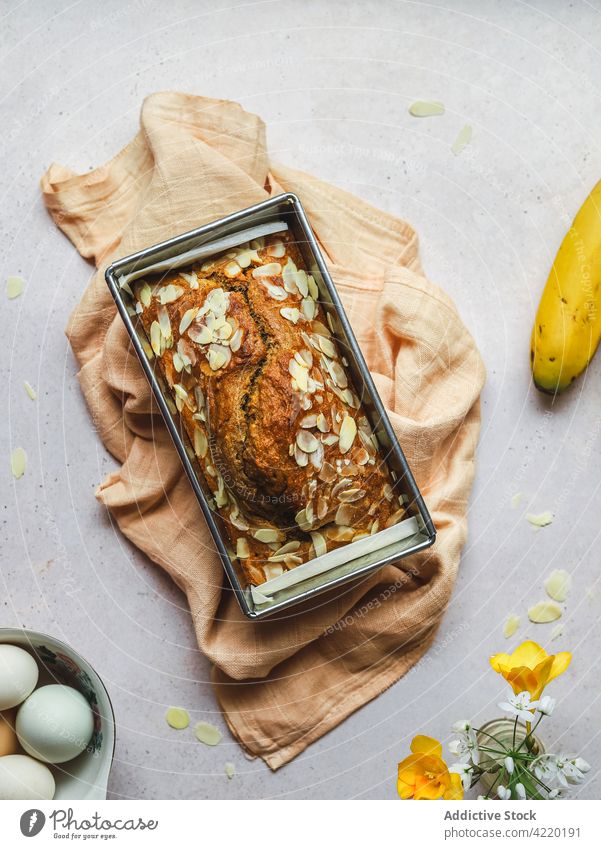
279	432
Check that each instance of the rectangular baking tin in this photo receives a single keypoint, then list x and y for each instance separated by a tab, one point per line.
288	208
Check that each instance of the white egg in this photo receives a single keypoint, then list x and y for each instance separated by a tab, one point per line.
18	675
55	723
22	777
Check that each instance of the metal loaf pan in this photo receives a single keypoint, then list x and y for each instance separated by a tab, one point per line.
288	208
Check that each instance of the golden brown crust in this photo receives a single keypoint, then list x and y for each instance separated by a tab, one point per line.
262	388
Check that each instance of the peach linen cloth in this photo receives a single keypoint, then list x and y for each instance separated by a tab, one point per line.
281	683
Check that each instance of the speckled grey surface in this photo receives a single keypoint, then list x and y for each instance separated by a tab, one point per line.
333	82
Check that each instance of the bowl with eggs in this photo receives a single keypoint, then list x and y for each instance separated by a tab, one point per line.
57	726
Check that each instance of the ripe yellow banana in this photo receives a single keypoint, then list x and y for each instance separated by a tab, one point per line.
567	328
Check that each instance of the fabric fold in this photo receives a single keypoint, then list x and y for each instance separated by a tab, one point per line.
283	682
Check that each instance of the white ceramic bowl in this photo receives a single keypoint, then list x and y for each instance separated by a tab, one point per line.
86	776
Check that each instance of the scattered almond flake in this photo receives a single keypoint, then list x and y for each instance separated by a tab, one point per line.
464	137
155	338
242	549
232	269
18	462
558	584
267	535
516	500
543	612
511	625
290	313
201	444
273	570
177	718
540	520
14	286
207	733
426	108
30	390
557	632
230	770
272	269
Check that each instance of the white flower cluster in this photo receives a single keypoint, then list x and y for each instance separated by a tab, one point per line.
517	770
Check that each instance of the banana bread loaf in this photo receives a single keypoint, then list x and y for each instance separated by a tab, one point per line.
260	382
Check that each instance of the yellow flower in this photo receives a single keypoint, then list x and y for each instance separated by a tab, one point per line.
530	667
424	774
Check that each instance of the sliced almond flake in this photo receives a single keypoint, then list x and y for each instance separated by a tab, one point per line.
272	269
301	457
201	444
309	308
200	335
327	346
348	431
349	496
190	278
164	322
290	313
464	137
544	611
155	337
238	520
387	492
277	249
287	548
512	623
322	423
516	500
267	535
426	108
319	544
14	286
145	294
232	269
306	441
289	277
273	570
327	473
180	391
558	584
300	374
374	526
242	549
207	733
229	769
329	438
344	515
322	507
340	534
302	521
276	292
338	374
236	340
540	520
187	319
302	282
217	357
308	421
557	631
178	363
18	462
244	258
170	293
177	718
30	390
313	290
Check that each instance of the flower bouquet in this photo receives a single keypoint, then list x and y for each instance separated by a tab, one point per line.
505	755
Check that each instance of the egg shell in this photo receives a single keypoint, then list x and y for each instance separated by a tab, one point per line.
9	744
18	675
55	723
22	777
